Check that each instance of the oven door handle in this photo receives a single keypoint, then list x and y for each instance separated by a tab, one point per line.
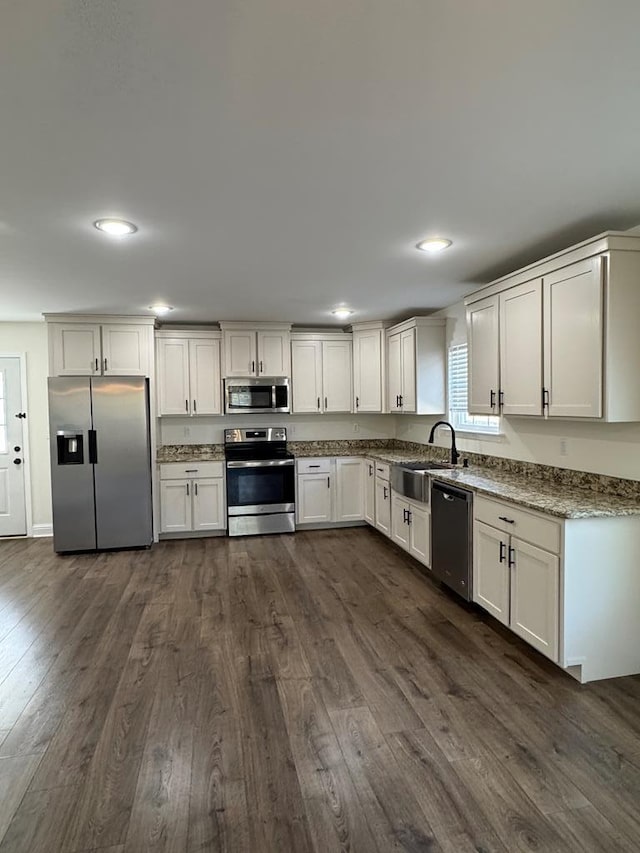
261	463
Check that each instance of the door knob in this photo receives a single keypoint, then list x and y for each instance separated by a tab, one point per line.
17	461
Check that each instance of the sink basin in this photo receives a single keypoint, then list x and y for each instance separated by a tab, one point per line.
411	479
425	465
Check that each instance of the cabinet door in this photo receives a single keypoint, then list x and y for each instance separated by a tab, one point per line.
313	498
75	349
484	364
274	354
383	506
521	349
408	362
239	353
490	571
173	376
126	350
573	340
209	511
420	534
336	376
175	506
349	490
535	596
394	373
369	492
399	521
367	371
306	377
204	373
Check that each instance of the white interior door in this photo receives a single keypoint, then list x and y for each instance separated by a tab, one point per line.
13	517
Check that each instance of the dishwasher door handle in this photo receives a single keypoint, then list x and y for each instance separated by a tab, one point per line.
448	497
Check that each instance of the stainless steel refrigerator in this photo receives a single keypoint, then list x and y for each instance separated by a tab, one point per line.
100	462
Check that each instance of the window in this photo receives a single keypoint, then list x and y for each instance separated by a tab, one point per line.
458	414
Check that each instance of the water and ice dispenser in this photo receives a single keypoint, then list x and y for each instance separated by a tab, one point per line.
70	448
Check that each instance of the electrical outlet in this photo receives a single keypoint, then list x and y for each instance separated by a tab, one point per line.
291	430
564	447
356	427
187	432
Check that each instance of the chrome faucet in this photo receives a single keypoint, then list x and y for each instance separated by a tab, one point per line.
454	450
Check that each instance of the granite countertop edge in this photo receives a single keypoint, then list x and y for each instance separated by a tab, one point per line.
575	503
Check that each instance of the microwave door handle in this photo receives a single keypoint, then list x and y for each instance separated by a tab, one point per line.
273	397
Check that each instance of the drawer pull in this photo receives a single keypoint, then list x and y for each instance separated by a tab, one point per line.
508	520
314	466
190	470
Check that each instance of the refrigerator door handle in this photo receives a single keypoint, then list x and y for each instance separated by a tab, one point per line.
93	447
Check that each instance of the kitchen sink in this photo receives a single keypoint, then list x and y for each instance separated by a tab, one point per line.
411	479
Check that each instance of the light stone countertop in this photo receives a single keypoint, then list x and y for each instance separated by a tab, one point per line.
562	500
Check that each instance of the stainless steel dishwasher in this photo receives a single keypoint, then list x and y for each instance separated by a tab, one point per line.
451	532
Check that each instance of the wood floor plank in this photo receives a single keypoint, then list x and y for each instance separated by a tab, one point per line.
315	692
15	775
393	813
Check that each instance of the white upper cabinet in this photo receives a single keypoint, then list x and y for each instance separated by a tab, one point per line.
321	372
368	367
189	373
521	349
573	332
240	353
394	373
559	338
484	356
87	346
416	366
274	354
256	349
306	376
75	349
336	376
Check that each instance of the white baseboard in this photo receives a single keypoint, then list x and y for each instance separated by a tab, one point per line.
39	530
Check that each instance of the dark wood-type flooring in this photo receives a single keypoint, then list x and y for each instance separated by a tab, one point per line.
298	693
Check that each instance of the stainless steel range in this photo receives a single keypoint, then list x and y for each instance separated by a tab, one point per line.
260	481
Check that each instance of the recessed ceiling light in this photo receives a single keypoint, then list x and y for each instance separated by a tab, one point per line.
160	309
115	227
342	313
433	244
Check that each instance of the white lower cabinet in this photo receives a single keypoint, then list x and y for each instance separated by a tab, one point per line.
330	490
369	492
192	497
313	499
410	527
515	579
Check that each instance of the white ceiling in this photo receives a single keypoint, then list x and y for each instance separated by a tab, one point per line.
282	156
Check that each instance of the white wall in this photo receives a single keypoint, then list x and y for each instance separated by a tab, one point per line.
601	448
299	427
31	338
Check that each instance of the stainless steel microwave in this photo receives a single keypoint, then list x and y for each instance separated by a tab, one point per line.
256	395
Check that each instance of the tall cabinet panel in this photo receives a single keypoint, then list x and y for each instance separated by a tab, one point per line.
368	368
573	318
173	376
306	377
484	356
204	372
521	349
336	375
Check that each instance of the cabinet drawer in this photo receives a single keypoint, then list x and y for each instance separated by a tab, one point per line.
382	470
314	466
190	470
537	529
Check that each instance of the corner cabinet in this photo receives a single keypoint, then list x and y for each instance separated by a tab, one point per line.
188	373
81	345
558	338
369	367
321	372
416	362
256	349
